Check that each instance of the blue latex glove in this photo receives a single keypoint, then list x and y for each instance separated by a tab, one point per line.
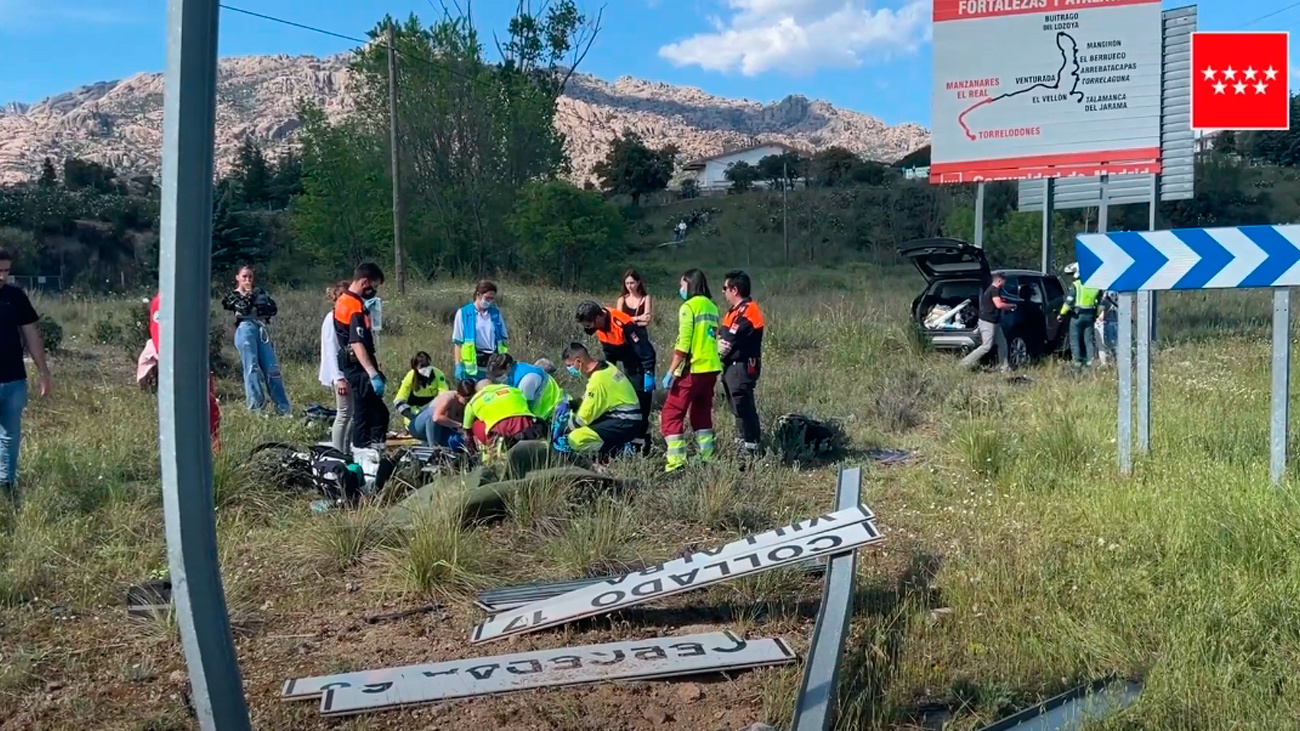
649	383
377	383
668	380
460	372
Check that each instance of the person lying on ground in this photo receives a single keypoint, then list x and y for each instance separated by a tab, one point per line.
608	420
542	392
418	389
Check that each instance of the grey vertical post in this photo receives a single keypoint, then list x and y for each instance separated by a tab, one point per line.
399	215
1124	354
1144	372
1103	205
1049	192
1281	383
189	116
1153	222
979	215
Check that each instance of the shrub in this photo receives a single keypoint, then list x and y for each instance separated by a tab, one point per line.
51	334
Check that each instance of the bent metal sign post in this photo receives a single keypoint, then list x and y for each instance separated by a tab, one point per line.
663	657
672	578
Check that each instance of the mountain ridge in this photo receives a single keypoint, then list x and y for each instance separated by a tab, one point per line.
119	123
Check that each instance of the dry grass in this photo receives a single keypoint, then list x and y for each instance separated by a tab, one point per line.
1046	567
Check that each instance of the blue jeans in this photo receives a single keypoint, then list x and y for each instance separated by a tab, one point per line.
429	431
253	341
13	399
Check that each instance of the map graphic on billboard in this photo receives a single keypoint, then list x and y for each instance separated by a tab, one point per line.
1045	88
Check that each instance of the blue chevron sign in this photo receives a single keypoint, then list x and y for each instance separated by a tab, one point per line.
1233	257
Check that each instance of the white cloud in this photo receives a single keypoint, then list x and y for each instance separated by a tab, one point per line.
798	36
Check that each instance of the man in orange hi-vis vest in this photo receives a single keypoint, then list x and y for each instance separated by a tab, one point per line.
740	342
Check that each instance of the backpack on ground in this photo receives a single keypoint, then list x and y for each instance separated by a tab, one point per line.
801	438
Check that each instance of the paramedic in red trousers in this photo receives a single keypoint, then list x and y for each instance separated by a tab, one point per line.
740	343
692	374
626	343
214	409
358	360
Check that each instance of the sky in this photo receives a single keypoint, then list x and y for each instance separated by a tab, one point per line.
872	56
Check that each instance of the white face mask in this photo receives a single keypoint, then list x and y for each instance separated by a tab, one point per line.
426	371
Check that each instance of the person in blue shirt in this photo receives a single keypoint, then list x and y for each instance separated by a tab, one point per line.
543	393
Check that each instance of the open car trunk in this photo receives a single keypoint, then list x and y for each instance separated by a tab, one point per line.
933	310
944	258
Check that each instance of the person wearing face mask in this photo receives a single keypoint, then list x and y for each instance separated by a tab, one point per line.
358	360
626	343
418	389
478	332
608	421
692	373
741	345
253	309
543	393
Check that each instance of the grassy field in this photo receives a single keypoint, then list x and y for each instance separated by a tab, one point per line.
1017	561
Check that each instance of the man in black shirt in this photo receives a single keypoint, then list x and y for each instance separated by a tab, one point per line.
17	328
991	306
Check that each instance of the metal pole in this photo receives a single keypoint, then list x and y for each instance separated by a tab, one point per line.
185	448
1152	224
1103	206
1281	383
785	208
1124	354
979	215
1049	204
1144	372
399	265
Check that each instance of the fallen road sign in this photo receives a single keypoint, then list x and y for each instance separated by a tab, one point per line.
658	658
494	601
310	688
676	577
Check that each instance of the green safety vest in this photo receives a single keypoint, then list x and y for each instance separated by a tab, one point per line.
494	404
1084	298
697	334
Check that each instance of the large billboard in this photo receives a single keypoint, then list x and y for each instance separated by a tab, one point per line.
1027	89
1177	141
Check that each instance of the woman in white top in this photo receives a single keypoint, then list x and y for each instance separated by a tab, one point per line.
330	375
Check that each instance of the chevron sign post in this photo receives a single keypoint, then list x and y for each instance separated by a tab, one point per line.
1233	257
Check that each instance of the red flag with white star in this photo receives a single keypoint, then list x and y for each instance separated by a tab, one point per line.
1239	81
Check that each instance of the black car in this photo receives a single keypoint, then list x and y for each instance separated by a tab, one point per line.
957	272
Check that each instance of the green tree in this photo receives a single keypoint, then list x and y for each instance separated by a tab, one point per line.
252	174
632	168
1222	198
573	236
81	174
235	241
49	177
741	175
780	169
343	215
833	166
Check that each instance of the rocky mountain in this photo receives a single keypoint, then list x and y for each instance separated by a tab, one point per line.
120	122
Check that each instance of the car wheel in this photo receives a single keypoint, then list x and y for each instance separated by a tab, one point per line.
1018	352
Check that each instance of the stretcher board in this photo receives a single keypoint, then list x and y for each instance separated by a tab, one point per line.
638	659
642	587
776	536
297	689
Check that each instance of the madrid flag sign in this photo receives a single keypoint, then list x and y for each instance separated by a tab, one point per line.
1239	81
